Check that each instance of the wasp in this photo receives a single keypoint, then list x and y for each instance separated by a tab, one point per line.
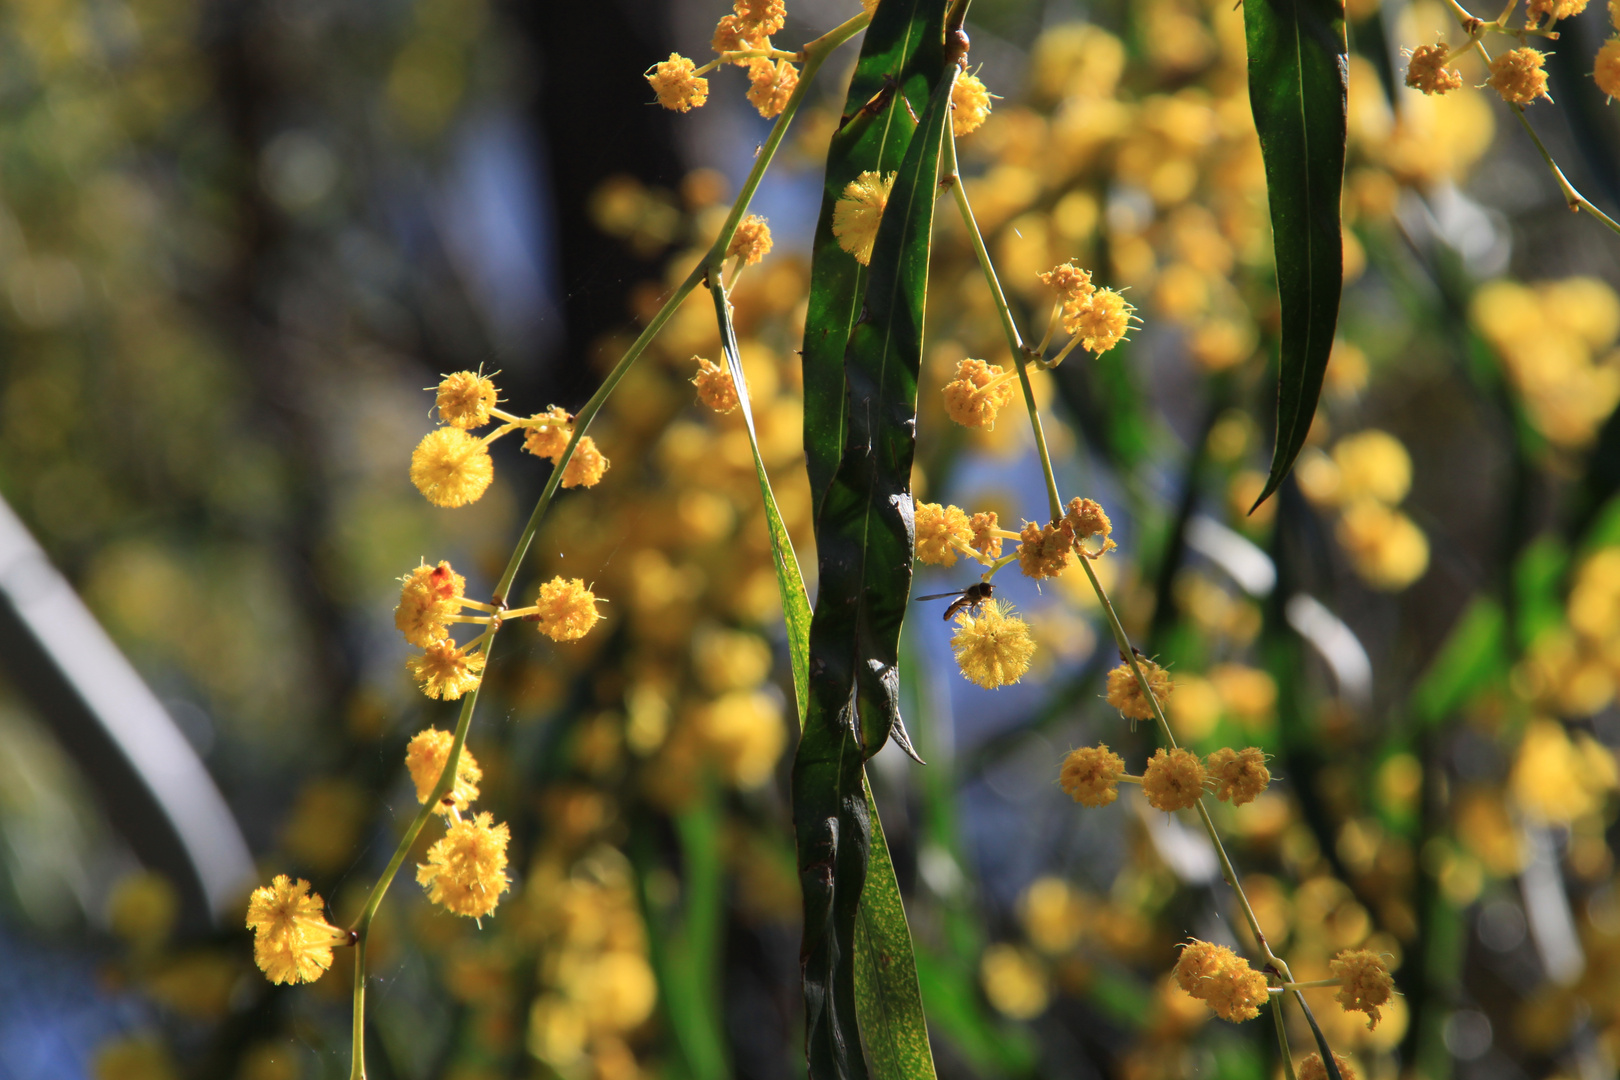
970	597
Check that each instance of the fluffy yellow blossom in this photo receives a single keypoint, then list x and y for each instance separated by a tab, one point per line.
770	85
751	242
1103	322
986	534
1086	518
1126	696
939	530
715	387
1518	76
586	467
546	434
1366	984
465	398
856	216
732	35
1535	10
1240	776
465	870
1091	774
970	104
977	394
451	467
292	941
567	609
428	597
1427	70
1216	975
1387	550
1606	68
993	648
1073	287
1173	781
445	671
1313	1069
425	757
762	17
1043	552
678	85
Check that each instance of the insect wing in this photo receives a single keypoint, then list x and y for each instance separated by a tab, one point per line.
942	595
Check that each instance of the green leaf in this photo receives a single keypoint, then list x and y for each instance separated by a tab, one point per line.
872	137
864	540
888	999
789	581
1328	1064
1297	82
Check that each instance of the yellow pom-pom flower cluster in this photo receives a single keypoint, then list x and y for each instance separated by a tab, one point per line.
465	872
751	242
1518	75
993	647
425	758
858	213
770	85
452	468
970	104
1312	1068
1365	982
715	387
1219	977
945	531
978	393
292	941
1174	780
430	598
1606	68
1090	775
677	83
1427	70
565	609
1125	694
1098	319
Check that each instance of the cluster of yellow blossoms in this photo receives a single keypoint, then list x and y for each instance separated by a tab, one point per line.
452	468
1172	781
432	597
1096	318
1518	75
1224	980
743	39
465	870
292	941
993	646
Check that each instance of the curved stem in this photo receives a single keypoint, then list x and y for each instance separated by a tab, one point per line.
1020	352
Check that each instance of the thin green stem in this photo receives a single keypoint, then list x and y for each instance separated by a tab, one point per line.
1282	1037
357	1050
1020	353
1572	197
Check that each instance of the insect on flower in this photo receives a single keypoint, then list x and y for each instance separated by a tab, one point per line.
970	597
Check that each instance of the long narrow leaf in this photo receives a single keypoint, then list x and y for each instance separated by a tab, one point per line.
873	136
888	999
1297	85
789	581
865	545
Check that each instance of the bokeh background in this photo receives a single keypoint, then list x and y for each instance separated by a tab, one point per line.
237	240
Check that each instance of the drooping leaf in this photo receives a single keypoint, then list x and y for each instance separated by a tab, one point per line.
864	539
789	581
887	93
888	999
1298	65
